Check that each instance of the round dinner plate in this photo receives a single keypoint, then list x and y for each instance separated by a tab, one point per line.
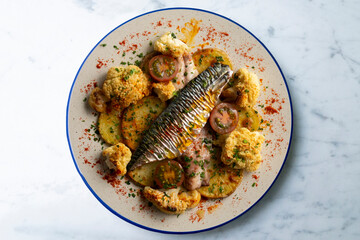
126	44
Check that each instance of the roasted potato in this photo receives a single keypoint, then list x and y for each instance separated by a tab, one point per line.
204	58
138	118
109	127
144	175
223	180
249	118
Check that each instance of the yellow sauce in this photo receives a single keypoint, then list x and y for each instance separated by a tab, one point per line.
190	30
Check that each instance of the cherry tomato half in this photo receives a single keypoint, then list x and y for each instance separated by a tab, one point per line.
163	68
224	118
169	174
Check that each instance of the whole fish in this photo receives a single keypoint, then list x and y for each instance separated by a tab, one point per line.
180	123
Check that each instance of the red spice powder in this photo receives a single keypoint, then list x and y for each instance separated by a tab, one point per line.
270	110
255	177
210	34
222	34
212	208
86	161
100	64
103	63
96	163
146	33
123	42
88	87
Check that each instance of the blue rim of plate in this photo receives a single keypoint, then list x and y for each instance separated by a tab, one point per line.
107	206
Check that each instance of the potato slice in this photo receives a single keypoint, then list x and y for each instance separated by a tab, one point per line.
205	57
109	127
223	181
249	118
144	175
138	118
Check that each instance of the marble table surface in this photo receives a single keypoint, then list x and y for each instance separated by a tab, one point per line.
317	44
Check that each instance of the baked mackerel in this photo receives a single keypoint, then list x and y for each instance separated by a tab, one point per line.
180	123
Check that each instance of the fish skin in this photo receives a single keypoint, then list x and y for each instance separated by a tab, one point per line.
181	122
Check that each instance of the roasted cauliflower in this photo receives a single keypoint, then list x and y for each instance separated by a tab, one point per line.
245	88
242	149
117	157
172	201
168	44
126	85
164	90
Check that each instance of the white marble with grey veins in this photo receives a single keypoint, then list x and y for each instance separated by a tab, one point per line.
317	44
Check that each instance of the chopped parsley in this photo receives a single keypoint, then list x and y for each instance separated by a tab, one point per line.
219	58
200	59
187	159
137	63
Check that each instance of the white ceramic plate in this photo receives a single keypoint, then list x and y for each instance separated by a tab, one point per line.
245	50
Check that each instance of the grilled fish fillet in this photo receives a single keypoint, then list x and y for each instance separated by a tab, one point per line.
180	123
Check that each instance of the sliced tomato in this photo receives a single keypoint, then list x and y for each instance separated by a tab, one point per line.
169	174
163	68
224	118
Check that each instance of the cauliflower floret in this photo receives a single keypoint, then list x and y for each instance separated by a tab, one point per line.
171	201
168	44
126	85
242	149
97	100
117	157
245	89
249	87
164	90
